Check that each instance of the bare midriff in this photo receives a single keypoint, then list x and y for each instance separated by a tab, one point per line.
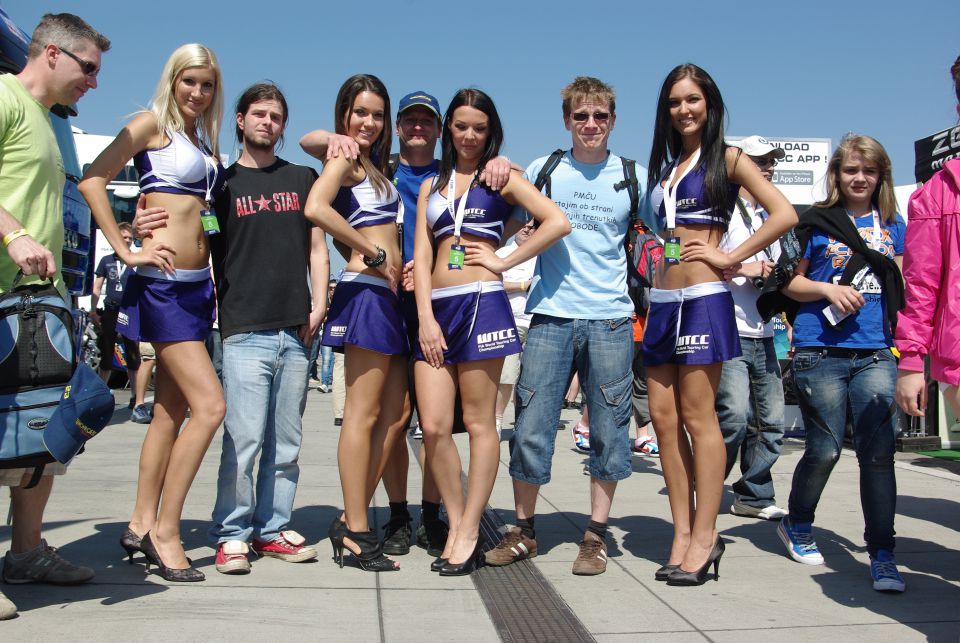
443	277
183	232
673	276
384	236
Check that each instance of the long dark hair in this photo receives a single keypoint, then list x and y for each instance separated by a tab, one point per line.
376	165
955	73
667	144
448	159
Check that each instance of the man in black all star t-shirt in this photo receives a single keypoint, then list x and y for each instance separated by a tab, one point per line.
263	257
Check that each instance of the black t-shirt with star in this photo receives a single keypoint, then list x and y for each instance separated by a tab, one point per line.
261	255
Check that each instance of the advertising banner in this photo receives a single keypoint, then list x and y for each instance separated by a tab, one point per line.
935	150
800	175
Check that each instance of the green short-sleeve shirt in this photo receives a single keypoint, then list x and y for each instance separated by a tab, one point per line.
31	174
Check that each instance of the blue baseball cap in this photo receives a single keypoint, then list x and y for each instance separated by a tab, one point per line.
85	407
419	98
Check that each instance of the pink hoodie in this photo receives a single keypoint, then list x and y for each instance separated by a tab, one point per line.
930	322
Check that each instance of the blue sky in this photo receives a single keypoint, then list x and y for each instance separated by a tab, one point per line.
811	69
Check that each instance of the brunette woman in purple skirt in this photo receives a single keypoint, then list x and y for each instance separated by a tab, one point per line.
466	324
355	203
169	301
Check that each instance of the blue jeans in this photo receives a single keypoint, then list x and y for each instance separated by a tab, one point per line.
326	365
750	411
602	353
265	387
835	389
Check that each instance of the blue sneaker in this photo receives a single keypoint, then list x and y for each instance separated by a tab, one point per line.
798	539
143	414
883	570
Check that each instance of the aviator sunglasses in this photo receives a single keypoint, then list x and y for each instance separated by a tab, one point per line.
88	68
581	117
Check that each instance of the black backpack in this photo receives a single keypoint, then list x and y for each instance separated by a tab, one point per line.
643	248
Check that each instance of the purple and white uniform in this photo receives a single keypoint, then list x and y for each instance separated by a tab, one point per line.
364	311
157	307
697	324
476	318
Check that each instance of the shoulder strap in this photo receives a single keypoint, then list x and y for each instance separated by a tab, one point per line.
630	183
392	163
543	176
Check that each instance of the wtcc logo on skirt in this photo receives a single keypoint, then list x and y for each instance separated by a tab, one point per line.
495	339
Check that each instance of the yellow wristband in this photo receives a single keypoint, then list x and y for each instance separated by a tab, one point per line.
16	234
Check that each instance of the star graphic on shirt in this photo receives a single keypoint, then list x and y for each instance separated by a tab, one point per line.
263	203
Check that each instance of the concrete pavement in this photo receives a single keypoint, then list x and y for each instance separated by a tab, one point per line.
761	594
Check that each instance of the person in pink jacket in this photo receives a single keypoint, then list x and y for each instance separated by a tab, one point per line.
930	322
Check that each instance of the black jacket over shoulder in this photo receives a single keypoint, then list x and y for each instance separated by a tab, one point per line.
834	222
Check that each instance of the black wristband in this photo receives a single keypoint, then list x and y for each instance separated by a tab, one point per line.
378	260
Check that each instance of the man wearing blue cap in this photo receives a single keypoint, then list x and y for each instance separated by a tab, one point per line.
418	129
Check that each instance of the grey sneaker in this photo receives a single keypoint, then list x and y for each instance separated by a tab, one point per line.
142	414
44	565
513	547
7	608
771	512
592	559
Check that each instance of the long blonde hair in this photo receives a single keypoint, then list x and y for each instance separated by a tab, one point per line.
870	151
164	107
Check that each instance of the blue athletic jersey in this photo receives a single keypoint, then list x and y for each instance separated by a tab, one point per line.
407	180
868	327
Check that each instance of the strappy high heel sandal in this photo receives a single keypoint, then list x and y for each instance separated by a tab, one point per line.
370	557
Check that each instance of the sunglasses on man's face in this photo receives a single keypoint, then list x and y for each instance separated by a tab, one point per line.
764	161
582	117
88	68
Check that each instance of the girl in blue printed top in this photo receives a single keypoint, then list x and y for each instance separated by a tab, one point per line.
691	327
355	203
169	301
466	324
844	370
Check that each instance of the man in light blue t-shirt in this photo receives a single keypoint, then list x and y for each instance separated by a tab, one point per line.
581	320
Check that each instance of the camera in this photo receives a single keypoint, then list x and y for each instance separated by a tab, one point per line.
757	282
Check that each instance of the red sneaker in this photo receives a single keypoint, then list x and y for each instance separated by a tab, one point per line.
232	557
288	546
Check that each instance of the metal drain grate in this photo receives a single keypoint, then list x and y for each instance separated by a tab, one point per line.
521	602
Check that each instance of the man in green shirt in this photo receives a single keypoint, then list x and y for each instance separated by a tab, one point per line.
63	61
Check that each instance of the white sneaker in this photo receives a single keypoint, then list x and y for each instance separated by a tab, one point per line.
416	433
7	608
771	512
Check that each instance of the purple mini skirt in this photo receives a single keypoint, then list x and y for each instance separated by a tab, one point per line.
693	325
477	322
159	308
365	313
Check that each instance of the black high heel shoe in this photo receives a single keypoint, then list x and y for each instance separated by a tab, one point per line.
438	564
188	575
130	542
699	577
468	566
664	572
370	557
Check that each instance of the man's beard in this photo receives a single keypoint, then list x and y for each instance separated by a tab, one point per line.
264	144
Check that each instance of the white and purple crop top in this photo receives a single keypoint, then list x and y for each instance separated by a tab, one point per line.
179	167
361	207
693	207
484	215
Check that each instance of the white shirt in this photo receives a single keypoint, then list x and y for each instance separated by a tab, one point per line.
745	294
520	272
